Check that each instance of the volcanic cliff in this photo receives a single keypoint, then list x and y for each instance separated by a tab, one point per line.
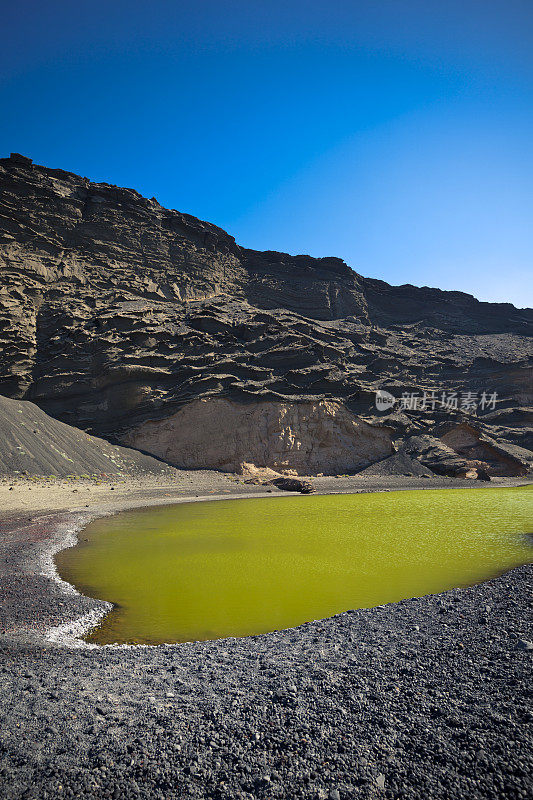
151	328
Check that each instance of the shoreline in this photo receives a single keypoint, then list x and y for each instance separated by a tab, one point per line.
424	698
60	529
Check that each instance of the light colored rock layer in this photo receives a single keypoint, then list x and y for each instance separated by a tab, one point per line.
299	438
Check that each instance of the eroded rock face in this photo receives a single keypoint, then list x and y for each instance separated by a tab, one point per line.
436	456
491	457
298	438
115	311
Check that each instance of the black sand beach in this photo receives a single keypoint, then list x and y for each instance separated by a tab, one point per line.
427	698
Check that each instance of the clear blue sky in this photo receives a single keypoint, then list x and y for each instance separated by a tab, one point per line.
396	134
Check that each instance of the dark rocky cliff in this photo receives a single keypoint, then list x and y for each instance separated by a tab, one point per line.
115	312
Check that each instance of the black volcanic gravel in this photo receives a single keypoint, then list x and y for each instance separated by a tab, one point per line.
424	699
427	698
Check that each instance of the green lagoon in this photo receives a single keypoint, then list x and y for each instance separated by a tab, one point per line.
207	570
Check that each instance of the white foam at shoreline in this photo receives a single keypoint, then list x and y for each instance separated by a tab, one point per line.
69	633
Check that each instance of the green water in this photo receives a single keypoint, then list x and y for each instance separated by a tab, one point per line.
241	567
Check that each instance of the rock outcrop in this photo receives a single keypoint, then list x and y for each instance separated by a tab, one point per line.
300	438
122	317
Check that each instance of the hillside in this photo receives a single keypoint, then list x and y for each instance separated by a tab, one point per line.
150	327
34	444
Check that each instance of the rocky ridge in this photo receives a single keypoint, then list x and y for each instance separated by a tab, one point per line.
118	315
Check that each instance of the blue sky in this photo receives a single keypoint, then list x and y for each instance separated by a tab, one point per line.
395	134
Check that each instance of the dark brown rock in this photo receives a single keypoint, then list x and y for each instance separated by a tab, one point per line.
24	161
433	454
115	311
483	475
293	485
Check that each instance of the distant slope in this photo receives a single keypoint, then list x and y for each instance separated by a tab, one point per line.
34	443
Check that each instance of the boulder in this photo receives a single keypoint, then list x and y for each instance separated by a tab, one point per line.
293	485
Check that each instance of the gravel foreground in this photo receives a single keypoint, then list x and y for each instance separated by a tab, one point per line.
427	698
